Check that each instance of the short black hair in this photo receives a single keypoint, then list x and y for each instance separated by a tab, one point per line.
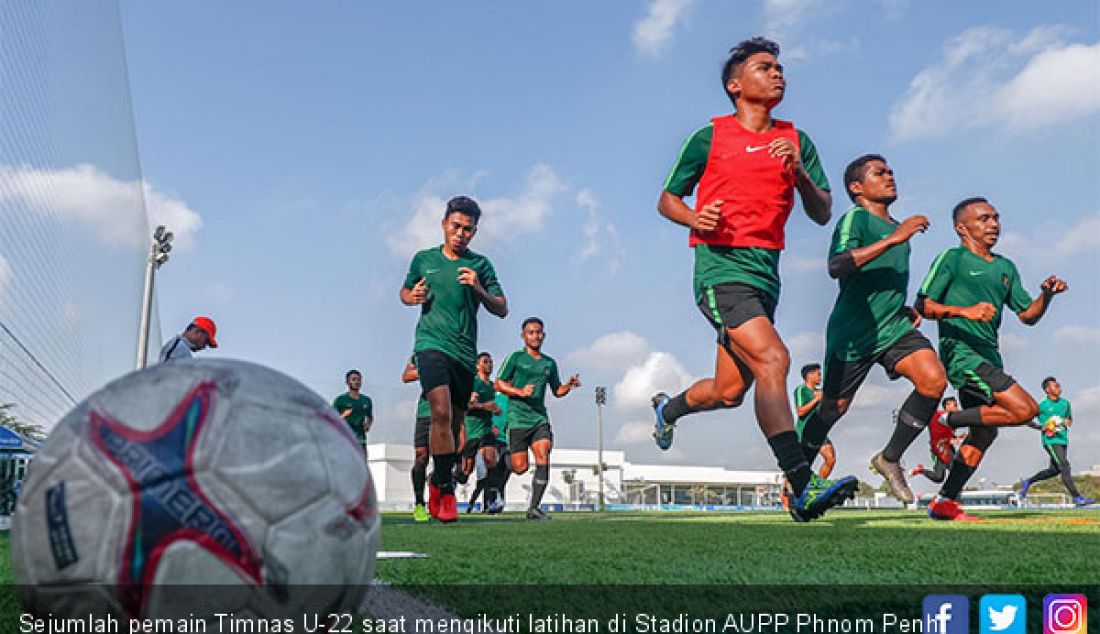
743	51
348	374
463	205
809	367
531	320
483	354
963	204
1047	381
948	398
854	172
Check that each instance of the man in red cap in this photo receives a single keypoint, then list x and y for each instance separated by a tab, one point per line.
199	334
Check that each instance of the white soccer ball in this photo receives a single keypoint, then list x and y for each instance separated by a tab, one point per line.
197	473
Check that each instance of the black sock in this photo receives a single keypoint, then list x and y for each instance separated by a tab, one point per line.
970	417
443	471
956	479
788	453
676	408
538	485
477	491
915	413
419	477
814	433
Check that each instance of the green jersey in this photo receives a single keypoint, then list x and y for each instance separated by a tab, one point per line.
754	266
478	421
1059	412
520	369
361	409
448	320
501	420
423	410
960	278
802	395
869	314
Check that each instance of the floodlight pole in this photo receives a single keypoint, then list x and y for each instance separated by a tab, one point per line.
158	255
601	400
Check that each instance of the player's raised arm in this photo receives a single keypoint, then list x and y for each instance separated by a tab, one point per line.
1038	307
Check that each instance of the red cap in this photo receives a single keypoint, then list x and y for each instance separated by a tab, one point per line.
207	325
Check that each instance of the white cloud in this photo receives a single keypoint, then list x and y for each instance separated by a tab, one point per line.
1078	335
106	206
1087	400
653	33
807	344
1012	341
611	352
1083	238
780	16
600	235
5	279
877	396
659	372
802	264
1018	83
503	218
635	433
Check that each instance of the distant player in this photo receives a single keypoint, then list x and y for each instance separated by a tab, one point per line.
497	479
1055	417
943	442
420	444
449	283
965	290
806	397
197	336
744	169
480	440
871	324
524	378
355	408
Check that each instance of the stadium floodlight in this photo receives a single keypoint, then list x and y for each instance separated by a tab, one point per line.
158	255
601	400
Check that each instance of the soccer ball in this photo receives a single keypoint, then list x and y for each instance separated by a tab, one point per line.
197	474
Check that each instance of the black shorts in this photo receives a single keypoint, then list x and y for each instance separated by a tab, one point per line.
842	379
730	304
521	438
423	431
982	384
473	445
436	369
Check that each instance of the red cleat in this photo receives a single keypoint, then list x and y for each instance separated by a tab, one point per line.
917	470
939	437
434	497
448	508
942	508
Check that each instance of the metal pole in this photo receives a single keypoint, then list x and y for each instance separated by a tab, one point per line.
146	307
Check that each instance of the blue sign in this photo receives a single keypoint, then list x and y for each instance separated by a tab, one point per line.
946	614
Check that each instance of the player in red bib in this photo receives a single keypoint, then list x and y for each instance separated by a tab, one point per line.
744	169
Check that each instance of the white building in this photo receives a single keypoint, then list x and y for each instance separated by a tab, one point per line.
574	482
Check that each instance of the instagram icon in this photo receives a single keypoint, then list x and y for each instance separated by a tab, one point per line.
1065	614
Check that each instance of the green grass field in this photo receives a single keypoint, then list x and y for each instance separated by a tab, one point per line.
852	547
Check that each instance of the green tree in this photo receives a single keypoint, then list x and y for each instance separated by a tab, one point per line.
30	431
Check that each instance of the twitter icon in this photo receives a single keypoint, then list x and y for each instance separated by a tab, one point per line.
1003	614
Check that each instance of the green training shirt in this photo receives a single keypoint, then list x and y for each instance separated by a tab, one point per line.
478	421
960	278
756	267
802	395
520	370
869	314
448	320
501	419
1061	409
361	409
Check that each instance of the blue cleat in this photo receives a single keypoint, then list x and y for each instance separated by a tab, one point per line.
1081	500
821	495
662	431
1024	486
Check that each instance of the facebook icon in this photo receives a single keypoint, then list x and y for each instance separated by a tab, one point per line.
946	614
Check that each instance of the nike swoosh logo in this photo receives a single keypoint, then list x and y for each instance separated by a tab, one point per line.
976	272
749	148
430	271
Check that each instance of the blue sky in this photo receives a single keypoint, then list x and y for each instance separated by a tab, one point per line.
303	152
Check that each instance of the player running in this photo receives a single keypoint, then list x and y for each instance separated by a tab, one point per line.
528	422
420	444
806	397
943	442
747	167
355	408
1055	417
870	322
480	440
449	283
966	290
